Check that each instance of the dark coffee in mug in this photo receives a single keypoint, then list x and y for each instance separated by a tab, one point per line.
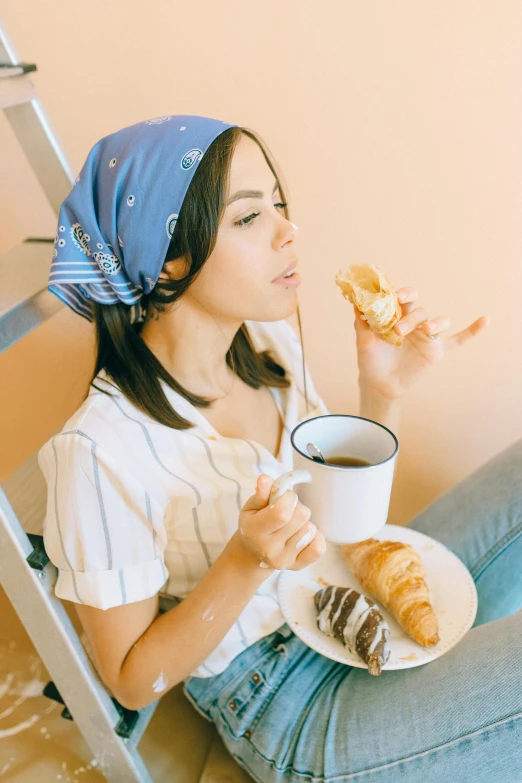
350	462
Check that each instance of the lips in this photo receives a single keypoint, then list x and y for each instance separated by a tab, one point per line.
287	273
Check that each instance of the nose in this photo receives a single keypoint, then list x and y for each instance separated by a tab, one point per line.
287	232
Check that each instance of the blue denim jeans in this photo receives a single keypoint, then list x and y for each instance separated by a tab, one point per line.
287	714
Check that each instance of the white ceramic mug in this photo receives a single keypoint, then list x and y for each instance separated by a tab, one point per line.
348	504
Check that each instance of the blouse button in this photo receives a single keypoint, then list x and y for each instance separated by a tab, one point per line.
232	704
247	734
256	678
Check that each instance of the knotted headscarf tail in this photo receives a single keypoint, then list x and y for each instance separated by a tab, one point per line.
115	226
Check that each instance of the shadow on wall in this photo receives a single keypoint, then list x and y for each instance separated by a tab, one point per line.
44	380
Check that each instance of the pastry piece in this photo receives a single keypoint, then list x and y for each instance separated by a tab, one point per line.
356	621
365	286
393	574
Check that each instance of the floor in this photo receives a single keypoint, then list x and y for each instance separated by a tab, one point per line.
38	746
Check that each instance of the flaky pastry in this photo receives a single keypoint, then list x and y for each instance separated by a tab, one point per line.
366	287
393	574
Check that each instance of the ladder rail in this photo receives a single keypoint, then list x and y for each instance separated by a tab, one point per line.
33	129
38	140
32	595
25	302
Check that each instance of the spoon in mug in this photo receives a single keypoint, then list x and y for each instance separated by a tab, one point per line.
315	453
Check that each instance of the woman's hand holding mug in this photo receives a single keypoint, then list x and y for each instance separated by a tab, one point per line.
276	528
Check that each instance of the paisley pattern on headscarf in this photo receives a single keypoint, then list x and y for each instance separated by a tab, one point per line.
115	226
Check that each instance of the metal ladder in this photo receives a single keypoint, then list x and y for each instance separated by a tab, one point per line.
25	301
111	732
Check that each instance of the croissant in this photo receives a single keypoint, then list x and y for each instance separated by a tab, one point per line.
357	622
365	286
393	574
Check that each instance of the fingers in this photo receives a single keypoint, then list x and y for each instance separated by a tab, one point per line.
416	318
473	330
411	321
311	553
294	526
271	519
302	537
359	321
436	325
406	295
260	499
278	532
288	481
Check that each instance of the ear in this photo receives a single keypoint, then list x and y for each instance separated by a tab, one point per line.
175	270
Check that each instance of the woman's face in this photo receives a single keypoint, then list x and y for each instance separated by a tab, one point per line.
243	278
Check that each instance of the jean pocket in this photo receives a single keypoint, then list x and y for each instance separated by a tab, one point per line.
242	704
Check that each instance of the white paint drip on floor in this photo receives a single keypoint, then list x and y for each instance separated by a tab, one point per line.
6	765
4	686
16	684
26	724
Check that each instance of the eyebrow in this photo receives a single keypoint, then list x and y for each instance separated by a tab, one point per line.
250	194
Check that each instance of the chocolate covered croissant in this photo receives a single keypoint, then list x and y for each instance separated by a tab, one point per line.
393	574
356	621
365	286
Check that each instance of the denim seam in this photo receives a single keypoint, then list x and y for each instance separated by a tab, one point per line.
243	666
245	704
479	568
352	775
271	691
274	688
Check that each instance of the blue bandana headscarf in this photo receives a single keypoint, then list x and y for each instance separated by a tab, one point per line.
115	226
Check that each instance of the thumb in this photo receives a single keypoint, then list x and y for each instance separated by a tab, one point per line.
363	332
359	322
260	499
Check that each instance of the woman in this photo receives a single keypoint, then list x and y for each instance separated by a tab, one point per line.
175	239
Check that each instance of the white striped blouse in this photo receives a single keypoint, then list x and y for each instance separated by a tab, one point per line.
136	508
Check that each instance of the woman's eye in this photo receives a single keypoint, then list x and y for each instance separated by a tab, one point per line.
245	221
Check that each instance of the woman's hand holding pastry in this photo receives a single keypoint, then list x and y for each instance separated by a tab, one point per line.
280	535
390	370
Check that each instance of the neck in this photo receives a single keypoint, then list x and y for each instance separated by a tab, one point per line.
192	345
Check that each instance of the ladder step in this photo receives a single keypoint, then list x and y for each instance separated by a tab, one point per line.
26	490
8	70
15	91
130	720
25	302
38	558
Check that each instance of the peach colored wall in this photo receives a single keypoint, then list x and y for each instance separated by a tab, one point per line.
398	128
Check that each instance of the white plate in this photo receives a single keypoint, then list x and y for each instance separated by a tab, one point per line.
452	589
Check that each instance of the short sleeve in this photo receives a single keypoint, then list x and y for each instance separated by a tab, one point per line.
102	530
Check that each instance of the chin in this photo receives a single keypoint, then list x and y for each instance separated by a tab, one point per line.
277	313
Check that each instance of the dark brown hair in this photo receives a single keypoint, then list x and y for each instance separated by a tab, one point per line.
121	352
